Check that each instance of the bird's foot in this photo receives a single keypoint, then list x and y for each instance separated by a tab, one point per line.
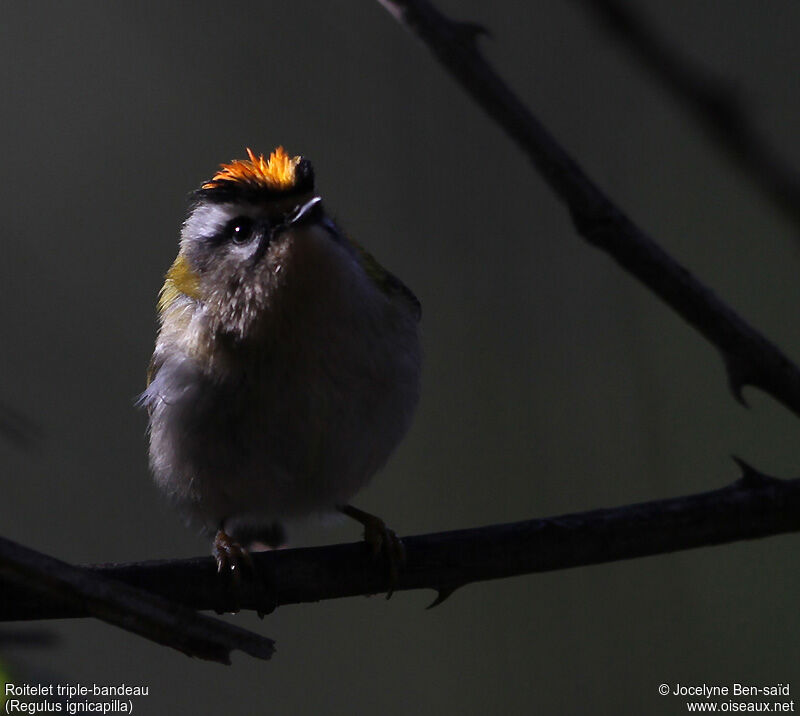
380	539
232	560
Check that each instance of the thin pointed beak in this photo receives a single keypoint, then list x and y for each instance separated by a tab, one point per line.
303	212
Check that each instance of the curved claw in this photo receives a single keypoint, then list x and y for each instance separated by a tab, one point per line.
380	539
392	546
232	560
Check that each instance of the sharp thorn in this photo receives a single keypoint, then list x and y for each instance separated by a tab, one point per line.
745	467
736	389
442	594
750	476
737	380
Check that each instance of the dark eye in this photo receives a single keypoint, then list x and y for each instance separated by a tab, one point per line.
240	229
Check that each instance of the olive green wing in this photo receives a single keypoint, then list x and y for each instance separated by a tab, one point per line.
387	281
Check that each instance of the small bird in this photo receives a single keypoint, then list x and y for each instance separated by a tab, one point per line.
287	365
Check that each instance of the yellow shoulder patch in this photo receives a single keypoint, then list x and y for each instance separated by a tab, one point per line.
180	280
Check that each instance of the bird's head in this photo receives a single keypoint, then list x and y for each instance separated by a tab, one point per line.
235	240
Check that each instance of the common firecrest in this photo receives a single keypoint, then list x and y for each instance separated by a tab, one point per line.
287	364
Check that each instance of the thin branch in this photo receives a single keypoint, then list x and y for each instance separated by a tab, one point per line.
713	102
60	586
752	507
750	359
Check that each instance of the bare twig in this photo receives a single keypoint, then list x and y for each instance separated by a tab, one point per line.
750	359
754	506
61	586
714	103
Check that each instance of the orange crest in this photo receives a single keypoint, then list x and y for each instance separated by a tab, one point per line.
278	173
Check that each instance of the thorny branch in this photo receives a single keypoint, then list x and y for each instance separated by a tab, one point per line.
48	581
715	104
750	359
752	507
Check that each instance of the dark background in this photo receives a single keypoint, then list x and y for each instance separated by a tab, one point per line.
553	381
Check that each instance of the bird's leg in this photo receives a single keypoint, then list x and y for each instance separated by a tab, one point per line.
232	560
261	537
380	538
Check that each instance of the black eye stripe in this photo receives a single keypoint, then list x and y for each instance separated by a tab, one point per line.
239	230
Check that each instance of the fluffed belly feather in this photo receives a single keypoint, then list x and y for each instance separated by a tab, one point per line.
280	443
